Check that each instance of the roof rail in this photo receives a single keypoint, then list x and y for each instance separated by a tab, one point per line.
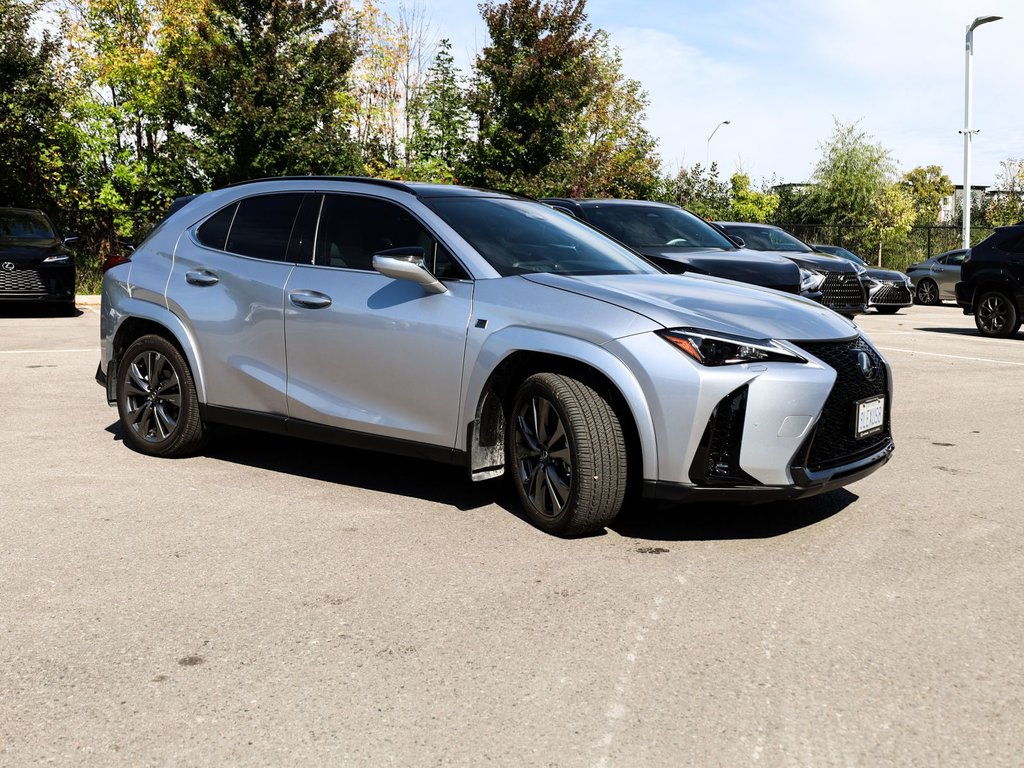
362	179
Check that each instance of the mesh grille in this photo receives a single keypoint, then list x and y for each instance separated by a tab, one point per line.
841	289
21	281
891	293
833	441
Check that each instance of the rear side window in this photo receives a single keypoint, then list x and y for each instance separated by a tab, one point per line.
263	226
214	233
1013	243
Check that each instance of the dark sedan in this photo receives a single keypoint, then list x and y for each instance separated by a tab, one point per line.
35	264
677	241
889	290
843	285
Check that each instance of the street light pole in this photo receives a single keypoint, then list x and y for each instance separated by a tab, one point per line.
968	131
707	157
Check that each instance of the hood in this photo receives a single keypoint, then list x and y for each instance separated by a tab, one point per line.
742	265
22	253
821	262
886	274
710	304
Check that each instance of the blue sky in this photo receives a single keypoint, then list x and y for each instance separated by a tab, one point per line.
781	71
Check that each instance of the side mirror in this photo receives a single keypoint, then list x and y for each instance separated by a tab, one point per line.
70	237
407	264
740	242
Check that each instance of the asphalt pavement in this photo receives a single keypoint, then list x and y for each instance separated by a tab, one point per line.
280	603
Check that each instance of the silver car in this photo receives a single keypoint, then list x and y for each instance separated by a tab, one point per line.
489	331
935	279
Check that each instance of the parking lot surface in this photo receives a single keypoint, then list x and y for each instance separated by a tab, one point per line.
275	602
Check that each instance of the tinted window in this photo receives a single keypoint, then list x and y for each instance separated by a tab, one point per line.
214	232
519	237
768	239
353	229
300	245
1013	243
644	226
25	227
263	226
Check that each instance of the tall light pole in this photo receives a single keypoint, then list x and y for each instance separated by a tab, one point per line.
968	131
707	158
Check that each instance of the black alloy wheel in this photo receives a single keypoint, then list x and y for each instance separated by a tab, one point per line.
927	292
996	315
567	455
156	399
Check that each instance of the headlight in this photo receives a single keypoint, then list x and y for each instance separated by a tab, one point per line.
724	349
810	280
60	258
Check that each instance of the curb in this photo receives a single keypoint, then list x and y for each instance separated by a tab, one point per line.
87	300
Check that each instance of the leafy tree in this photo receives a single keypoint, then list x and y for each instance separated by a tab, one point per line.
531	84
699	189
848	177
609	151
38	164
927	186
1007	201
892	214
264	94
746	204
440	121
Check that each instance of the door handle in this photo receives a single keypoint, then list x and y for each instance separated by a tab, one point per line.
310	299
201	277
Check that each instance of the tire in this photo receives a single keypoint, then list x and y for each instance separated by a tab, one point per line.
927	292
566	454
888	310
996	315
156	399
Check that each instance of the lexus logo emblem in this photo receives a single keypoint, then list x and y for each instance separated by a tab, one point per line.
867	365
8	266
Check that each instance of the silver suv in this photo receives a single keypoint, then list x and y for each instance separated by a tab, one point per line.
485	330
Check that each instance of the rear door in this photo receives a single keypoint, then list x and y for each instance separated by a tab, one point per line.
366	352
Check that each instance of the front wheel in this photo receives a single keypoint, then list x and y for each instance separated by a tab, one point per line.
567	455
996	315
927	292
156	399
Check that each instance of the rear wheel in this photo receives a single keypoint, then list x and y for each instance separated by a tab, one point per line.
927	292
996	315
567	455
156	399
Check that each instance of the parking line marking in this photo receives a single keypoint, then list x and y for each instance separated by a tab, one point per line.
954	357
44	351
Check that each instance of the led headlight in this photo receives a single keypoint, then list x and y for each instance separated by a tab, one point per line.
810	280
60	258
713	349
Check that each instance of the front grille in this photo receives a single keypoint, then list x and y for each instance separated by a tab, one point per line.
21	281
833	441
892	293
841	289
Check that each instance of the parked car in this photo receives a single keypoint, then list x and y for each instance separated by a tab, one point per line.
678	241
843	286
489	331
36	265
889	290
992	288
935	279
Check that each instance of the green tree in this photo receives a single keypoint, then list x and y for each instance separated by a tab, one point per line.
440	121
609	151
1007	199
746	204
892	215
927	186
265	94
38	164
699	189
531	84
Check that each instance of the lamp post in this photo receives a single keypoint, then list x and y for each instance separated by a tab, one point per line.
968	131
707	158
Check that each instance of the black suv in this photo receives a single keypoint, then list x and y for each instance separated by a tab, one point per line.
35	263
991	283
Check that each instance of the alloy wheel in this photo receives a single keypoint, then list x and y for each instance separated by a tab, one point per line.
993	314
543	456
927	292
153	396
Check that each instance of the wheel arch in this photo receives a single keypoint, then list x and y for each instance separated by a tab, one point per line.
491	399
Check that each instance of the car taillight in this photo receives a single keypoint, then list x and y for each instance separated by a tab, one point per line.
113	261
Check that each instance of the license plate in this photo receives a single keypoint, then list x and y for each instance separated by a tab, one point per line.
870	416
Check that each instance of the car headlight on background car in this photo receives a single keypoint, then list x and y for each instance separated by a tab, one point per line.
60	258
810	280
714	349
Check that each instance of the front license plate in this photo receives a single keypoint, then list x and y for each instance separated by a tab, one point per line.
870	416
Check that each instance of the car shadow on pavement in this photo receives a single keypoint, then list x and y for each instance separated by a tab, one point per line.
951	331
19	311
723	521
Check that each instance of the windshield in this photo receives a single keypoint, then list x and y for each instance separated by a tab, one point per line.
520	237
836	250
655	226
25	227
768	239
